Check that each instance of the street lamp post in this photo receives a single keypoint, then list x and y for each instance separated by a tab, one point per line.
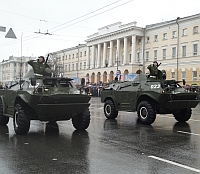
77	64
177	48
63	66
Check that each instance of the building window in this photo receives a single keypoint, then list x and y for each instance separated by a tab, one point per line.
65	67
69	67
81	54
147	39
194	75
72	67
195	51
138	56
130	43
155	55
184	51
155	38
85	53
183	74
76	66
164	54
173	75
185	32
130	58
69	56
147	55
173	34
66	57
164	36
80	65
84	66
139	41
173	52
195	30
72	56
76	55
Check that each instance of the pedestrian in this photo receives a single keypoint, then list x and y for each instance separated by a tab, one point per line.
153	68
40	67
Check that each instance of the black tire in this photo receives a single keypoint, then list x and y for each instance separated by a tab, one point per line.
146	113
3	119
21	119
82	120
109	109
183	115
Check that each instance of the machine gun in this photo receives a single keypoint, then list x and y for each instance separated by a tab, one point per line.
159	64
47	59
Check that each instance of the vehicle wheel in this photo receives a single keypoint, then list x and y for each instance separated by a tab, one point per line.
183	115
146	113
21	119
82	120
110	110
3	119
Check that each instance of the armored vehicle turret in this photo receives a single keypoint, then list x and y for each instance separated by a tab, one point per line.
48	99
149	97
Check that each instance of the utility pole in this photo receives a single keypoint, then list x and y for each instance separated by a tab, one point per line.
78	63
177	48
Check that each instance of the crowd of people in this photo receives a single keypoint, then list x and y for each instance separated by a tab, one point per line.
92	89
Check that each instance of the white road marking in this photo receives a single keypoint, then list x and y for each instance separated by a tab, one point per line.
173	117
98	117
188	133
96	108
176	164
193	120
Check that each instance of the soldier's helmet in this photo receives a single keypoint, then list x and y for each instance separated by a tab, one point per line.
155	62
42	58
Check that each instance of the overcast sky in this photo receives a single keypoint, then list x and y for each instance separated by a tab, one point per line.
70	21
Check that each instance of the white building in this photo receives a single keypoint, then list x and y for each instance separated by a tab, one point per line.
127	49
130	49
14	68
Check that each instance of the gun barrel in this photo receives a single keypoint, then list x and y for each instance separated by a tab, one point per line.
47	59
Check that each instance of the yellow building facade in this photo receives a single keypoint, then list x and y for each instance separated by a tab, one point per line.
127	49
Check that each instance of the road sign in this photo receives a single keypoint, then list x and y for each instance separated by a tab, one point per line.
3	29
10	34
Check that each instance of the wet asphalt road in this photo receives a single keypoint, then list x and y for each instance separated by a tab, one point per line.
121	146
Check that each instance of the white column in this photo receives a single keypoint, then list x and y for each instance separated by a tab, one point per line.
125	50
17	69
118	52
111	54
11	71
99	55
104	54
92	61
133	49
88	58
142	49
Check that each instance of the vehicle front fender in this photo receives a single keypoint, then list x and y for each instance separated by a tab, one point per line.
147	96
23	97
3	103
111	97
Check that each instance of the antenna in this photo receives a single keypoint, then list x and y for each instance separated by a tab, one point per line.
20	76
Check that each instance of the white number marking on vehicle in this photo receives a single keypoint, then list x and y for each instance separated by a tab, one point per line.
155	86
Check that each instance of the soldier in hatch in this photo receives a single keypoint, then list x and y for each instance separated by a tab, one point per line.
153	70
40	67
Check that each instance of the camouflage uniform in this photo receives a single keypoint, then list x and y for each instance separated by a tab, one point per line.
153	72
39	68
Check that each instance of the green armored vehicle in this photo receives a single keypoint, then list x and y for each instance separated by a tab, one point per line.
149	98
48	99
